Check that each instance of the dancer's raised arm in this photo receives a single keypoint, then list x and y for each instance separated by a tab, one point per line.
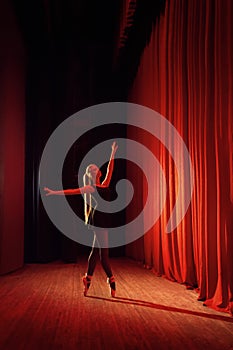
71	192
110	167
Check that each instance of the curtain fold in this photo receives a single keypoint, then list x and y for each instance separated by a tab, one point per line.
137	22
186	75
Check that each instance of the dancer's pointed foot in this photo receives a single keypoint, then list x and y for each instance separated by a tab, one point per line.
112	284
87	282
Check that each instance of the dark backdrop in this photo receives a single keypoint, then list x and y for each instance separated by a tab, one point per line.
77	53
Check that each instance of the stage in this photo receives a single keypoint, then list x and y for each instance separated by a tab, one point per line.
43	307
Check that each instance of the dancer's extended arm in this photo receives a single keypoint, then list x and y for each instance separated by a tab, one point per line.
71	192
110	167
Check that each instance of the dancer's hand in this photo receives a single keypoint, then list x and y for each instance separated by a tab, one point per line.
114	147
49	192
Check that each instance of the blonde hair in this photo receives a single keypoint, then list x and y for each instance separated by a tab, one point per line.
87	180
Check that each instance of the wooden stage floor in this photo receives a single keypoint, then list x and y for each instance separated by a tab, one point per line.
43	307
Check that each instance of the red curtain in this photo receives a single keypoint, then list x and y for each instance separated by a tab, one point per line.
12	141
186	75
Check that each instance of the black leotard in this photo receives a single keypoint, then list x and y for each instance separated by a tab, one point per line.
98	218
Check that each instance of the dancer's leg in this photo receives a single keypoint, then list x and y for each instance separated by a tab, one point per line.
104	258
92	259
102	239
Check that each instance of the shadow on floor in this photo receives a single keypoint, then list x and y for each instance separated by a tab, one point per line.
162	307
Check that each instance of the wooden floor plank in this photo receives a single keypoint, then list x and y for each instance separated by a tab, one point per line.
43	307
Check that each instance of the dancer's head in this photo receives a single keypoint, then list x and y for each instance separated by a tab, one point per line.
93	173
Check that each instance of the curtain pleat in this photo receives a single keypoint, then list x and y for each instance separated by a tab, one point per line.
185	74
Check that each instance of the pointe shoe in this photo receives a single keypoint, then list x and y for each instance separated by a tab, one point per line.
112	284
87	282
